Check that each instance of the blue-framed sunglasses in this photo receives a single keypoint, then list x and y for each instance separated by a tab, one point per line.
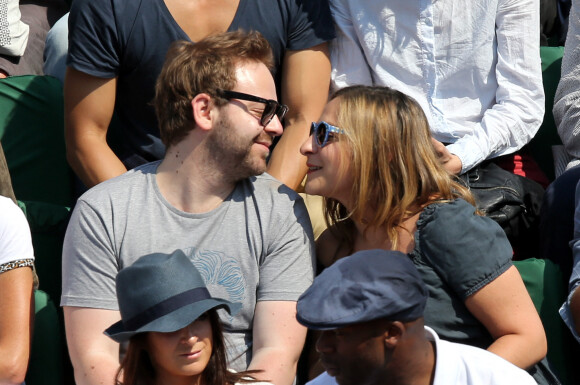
272	107
323	131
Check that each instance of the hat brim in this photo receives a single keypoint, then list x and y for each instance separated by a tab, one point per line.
313	325
173	321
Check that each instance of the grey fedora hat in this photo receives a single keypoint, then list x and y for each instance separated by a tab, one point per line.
161	293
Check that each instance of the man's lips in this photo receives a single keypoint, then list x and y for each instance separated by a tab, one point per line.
263	139
264	143
330	367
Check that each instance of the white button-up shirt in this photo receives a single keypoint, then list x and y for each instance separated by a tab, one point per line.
473	66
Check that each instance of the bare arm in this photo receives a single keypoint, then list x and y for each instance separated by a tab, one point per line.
305	82
278	341
89	103
16	313
506	310
95	357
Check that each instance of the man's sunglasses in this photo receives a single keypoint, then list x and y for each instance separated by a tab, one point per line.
272	107
322	131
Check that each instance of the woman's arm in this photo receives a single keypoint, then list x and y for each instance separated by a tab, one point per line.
505	308
16	313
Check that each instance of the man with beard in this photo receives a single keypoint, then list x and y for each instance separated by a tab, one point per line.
368	308
248	234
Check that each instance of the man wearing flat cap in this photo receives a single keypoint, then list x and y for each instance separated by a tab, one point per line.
368	309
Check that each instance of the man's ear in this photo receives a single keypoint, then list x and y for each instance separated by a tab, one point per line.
201	105
393	334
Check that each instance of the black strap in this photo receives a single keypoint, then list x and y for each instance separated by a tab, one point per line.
166	307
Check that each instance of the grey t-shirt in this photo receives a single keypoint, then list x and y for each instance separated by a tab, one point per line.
256	246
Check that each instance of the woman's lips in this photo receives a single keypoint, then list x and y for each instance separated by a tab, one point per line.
312	168
192	355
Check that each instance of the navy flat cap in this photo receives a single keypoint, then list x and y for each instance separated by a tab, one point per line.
365	286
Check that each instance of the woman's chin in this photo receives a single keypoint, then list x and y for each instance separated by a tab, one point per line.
311	188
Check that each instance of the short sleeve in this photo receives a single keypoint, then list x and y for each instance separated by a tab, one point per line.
89	264
466	250
288	267
311	24
15	239
94	46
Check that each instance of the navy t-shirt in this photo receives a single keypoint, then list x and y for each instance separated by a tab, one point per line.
129	39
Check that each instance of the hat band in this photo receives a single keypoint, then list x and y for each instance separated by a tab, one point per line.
165	307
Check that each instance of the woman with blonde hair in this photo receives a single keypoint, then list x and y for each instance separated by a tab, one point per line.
373	160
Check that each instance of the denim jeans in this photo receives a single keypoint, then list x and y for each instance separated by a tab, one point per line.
56	49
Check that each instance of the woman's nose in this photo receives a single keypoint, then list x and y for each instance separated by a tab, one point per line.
308	146
189	333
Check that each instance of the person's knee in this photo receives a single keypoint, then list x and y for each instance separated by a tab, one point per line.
56	49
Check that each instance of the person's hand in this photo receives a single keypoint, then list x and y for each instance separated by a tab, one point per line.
3	74
450	161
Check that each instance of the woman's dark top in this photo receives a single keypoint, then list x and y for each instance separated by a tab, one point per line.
457	253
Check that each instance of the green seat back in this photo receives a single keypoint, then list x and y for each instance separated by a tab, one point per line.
46	363
548	289
541	145
32	135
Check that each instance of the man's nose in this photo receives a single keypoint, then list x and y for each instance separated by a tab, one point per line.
275	127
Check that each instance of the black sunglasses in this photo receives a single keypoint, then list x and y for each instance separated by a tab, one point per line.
322	131
272	107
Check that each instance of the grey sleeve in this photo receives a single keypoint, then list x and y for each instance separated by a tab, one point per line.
567	100
89	263
288	267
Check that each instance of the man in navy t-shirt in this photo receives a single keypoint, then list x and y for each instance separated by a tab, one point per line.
117	48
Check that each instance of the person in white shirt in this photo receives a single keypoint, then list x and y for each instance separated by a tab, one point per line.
369	308
474	67
16	292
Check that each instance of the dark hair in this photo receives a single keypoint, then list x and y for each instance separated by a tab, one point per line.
203	67
137	368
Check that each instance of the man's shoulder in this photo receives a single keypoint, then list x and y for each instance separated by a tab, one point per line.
271	199
265	185
119	188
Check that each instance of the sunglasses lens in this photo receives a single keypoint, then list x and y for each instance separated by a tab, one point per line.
268	114
321	134
281	111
